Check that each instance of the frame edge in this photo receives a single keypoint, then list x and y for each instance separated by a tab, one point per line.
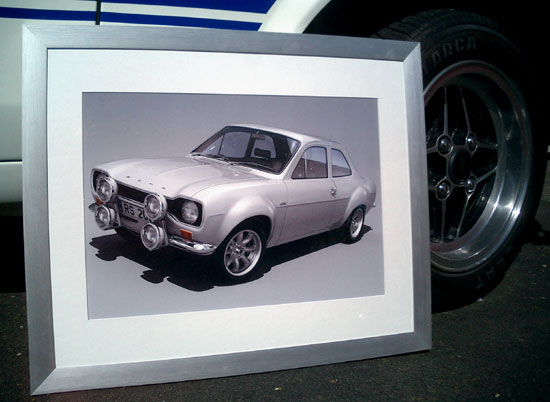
418	171
35	210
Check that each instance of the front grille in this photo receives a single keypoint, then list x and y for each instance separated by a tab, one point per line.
131	193
174	205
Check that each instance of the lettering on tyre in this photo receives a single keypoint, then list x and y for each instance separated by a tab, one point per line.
452	48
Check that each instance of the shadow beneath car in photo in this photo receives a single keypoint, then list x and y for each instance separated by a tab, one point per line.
183	269
196	273
290	251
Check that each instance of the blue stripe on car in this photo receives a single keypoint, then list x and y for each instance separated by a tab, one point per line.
250	6
178	21
67	15
34	14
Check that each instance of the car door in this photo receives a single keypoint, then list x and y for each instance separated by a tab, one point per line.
310	196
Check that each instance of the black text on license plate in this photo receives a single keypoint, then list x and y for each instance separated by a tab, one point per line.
133	211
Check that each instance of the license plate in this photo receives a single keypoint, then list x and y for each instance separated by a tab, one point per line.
132	210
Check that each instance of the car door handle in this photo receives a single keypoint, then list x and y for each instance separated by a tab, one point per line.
333	191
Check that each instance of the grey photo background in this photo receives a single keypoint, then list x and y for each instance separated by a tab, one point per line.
125	280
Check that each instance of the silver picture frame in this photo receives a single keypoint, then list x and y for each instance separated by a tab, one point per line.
63	340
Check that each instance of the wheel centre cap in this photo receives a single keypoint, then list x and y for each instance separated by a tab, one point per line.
460	166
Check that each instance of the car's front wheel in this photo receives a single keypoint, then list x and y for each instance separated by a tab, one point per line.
240	253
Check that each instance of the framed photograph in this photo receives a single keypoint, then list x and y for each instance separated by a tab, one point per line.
202	203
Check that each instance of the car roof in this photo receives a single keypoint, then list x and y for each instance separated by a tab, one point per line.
305	139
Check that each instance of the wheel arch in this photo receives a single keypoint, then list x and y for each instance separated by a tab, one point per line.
255	210
261	221
363	197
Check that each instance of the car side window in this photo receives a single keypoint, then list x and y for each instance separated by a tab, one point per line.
312	164
340	166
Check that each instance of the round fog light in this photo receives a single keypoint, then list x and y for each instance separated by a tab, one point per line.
155	206
105	217
152	236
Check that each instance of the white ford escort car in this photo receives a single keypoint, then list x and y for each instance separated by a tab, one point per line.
244	189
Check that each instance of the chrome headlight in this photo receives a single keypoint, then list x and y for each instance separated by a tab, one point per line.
106	189
105	217
189	212
152	237
96	176
155	206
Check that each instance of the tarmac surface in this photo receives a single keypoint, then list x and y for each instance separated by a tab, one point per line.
496	349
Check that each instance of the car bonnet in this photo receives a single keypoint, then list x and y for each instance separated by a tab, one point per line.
175	176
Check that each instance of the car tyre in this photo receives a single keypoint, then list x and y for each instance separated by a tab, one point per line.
353	228
485	166
239	255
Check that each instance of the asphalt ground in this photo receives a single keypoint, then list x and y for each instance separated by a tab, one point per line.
496	349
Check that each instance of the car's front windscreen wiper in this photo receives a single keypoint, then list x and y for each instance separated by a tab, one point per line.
214	156
257	165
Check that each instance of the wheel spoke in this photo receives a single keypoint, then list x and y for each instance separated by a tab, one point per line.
432	150
487	175
232	260
445	112
442	220
237	264
485	145
250	249
245	261
463	214
465	109
247	239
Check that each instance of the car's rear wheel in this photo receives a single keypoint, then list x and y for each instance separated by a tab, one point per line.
484	163
353	228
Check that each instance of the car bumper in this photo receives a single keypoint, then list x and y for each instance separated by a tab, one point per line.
164	240
191	246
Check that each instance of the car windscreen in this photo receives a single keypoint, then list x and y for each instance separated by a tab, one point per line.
258	149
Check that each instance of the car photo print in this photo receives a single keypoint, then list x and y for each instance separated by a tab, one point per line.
245	189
